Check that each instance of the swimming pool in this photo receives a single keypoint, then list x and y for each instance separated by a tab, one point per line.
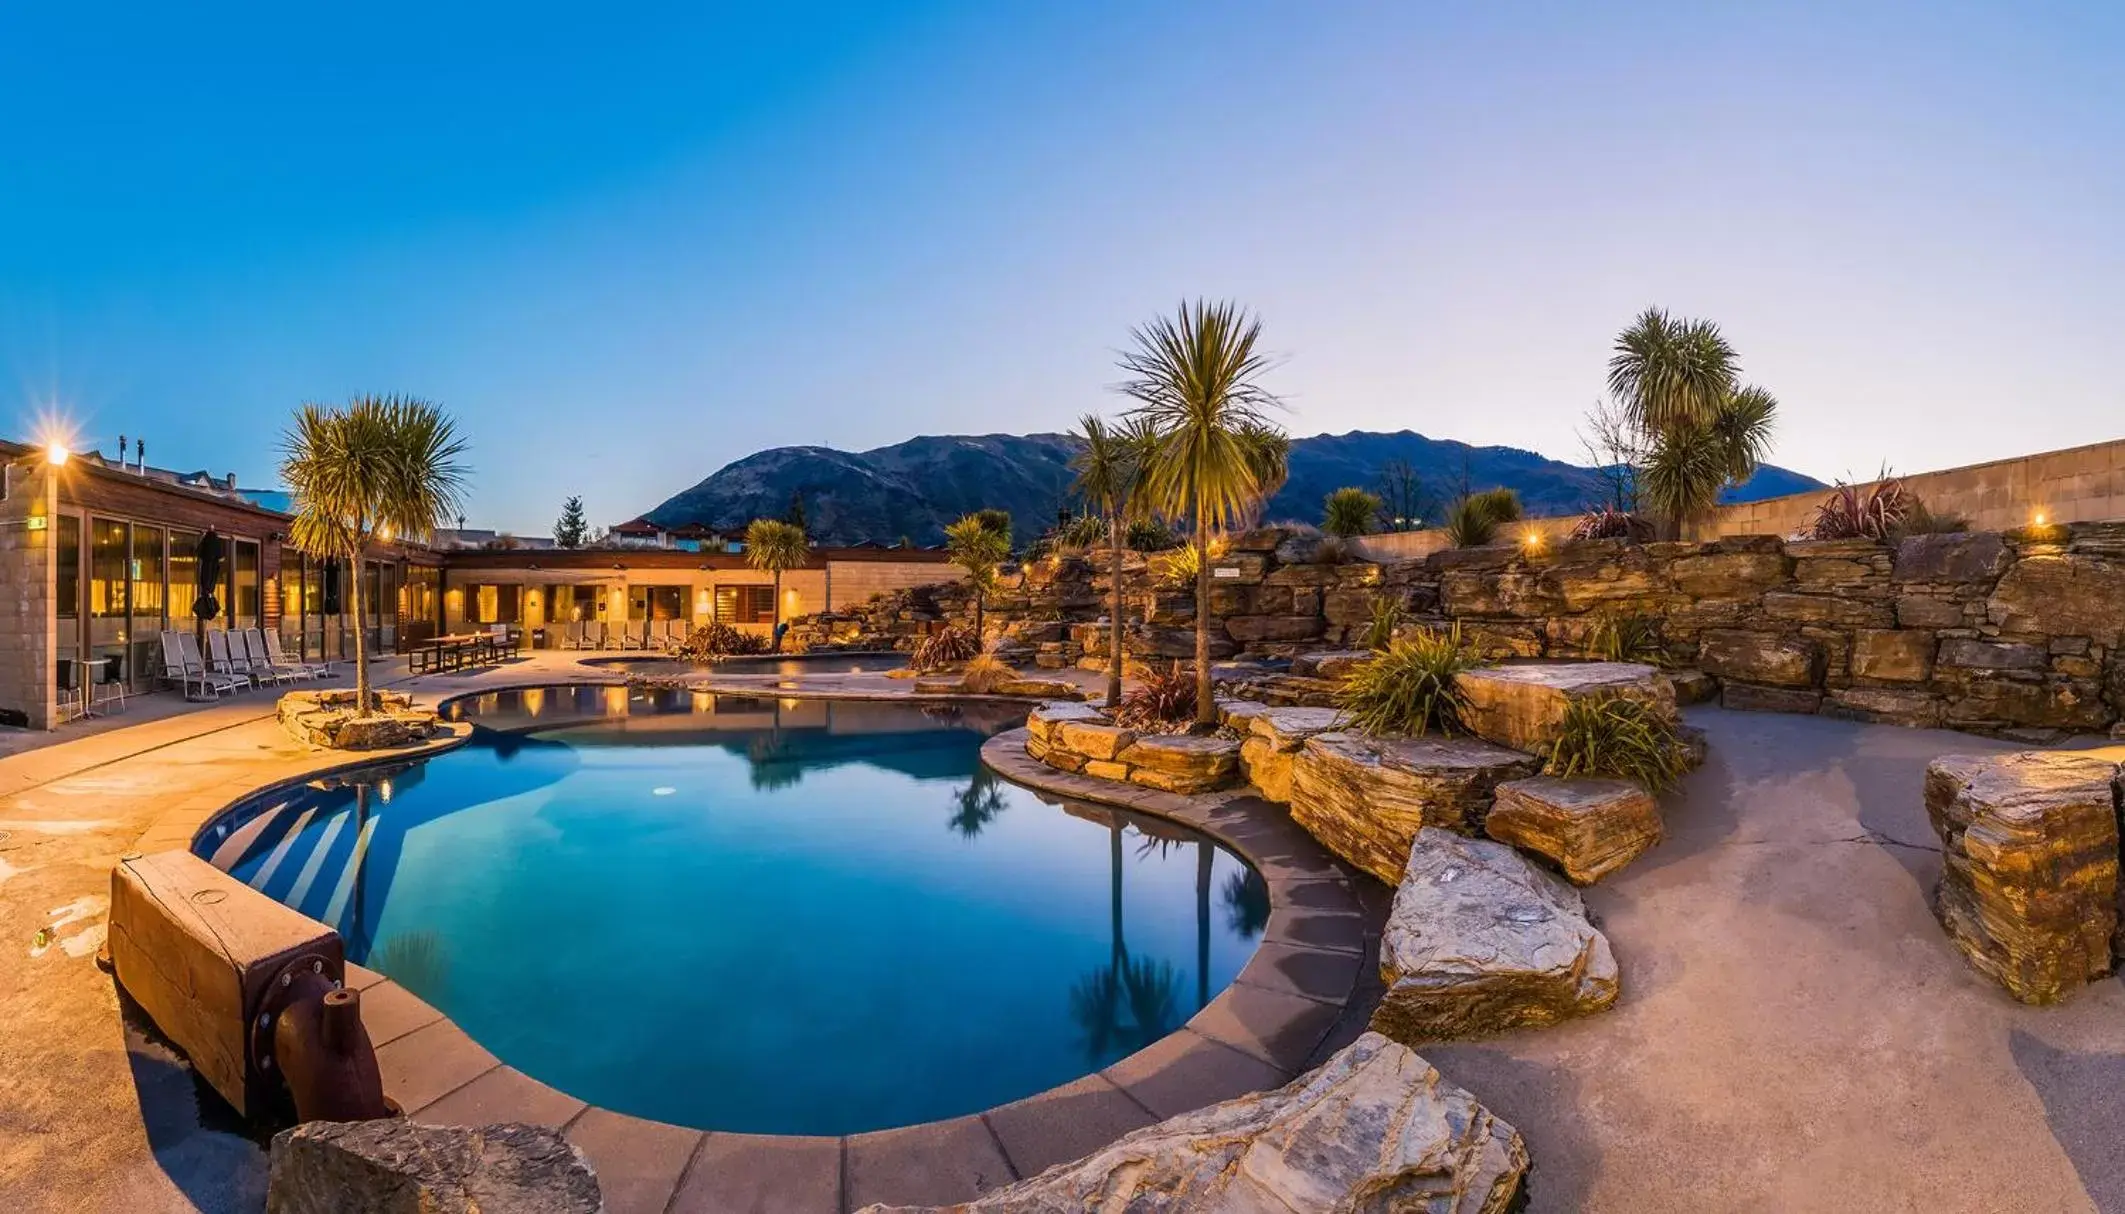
761	915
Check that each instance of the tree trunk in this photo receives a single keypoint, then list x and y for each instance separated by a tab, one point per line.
361	640
980	596
1205	706
1114	613
774	630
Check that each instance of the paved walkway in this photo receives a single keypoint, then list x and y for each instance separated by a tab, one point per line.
1794	1032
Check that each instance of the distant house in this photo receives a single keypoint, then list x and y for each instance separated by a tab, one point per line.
473	539
687	537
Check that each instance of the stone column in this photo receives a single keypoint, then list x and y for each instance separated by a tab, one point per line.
28	593
2029	881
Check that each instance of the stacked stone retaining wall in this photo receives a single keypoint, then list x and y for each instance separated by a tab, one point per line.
2016	632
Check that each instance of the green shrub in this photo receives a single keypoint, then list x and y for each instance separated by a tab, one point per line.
1349	511
1150	535
1387	614
1501	504
985	674
1469	525
947	647
1625	738
1164	702
1921	520
1409	688
1627	638
717	640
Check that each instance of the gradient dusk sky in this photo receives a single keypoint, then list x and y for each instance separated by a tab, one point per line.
625	247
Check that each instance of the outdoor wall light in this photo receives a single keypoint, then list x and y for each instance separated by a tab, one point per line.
2037	518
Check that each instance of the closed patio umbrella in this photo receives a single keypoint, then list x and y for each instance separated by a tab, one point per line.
206	579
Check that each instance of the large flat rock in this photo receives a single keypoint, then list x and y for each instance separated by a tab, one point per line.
1374	1128
1587	827
1480	941
1365	798
399	1167
2029	881
1522	705
1270	738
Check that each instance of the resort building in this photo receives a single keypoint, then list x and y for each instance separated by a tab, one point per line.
98	558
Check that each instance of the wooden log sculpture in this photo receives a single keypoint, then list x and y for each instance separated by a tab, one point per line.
250	990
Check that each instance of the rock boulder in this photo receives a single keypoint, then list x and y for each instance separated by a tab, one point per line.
1374	1128
2029	882
1589	828
400	1167
1365	798
1761	657
1270	742
1479	941
1521	706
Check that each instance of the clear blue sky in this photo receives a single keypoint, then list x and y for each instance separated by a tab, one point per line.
626	250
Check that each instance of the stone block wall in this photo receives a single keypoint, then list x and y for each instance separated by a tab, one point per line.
2017	632
28	586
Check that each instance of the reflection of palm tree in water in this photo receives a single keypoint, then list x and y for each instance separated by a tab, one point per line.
772	764
1246	898
1131	1001
978	803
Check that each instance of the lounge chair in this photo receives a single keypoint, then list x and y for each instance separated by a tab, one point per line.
193	669
274	654
284	671
221	660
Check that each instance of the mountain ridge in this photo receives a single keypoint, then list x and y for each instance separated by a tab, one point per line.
913	488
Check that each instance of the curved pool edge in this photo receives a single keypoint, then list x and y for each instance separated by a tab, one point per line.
1302	988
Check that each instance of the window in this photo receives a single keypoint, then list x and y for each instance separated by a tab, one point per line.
148	592
67	637
745	604
656	603
291	600
493	604
422	582
184	575
243	584
68	530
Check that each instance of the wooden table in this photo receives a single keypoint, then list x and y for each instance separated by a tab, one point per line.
451	652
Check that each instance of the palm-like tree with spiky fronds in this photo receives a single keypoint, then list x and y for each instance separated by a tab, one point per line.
378	468
1216	458
1679	384
977	545
776	546
1112	472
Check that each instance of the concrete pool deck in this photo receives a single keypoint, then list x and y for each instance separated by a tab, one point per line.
1794	1031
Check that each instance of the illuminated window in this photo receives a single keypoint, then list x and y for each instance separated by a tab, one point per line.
745	604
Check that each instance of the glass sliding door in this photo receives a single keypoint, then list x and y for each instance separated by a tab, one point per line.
243	584
108	620
291	602
149	593
66	638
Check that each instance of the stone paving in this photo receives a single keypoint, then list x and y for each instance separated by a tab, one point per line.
1794	1032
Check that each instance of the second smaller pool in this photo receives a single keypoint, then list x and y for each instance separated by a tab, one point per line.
781	665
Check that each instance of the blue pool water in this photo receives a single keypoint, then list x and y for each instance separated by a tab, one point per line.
784	666
772	916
